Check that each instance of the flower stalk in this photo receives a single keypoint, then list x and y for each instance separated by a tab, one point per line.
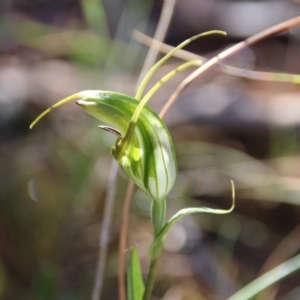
144	148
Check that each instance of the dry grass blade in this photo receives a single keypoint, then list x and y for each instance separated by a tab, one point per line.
285	249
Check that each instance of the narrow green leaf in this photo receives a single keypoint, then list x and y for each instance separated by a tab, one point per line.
135	283
157	244
259	284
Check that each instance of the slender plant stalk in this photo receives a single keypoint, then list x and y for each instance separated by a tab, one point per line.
158	214
105	229
164	48
96	20
151	278
228	52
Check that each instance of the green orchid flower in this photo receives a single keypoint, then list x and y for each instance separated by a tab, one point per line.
143	149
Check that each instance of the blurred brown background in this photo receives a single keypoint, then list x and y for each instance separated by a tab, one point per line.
53	178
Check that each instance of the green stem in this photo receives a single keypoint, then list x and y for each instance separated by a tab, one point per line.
158	214
151	278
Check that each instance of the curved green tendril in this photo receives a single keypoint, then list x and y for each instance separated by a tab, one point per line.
144	82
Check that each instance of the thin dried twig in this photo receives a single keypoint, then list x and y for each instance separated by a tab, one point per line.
105	230
228	52
159	35
233	71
